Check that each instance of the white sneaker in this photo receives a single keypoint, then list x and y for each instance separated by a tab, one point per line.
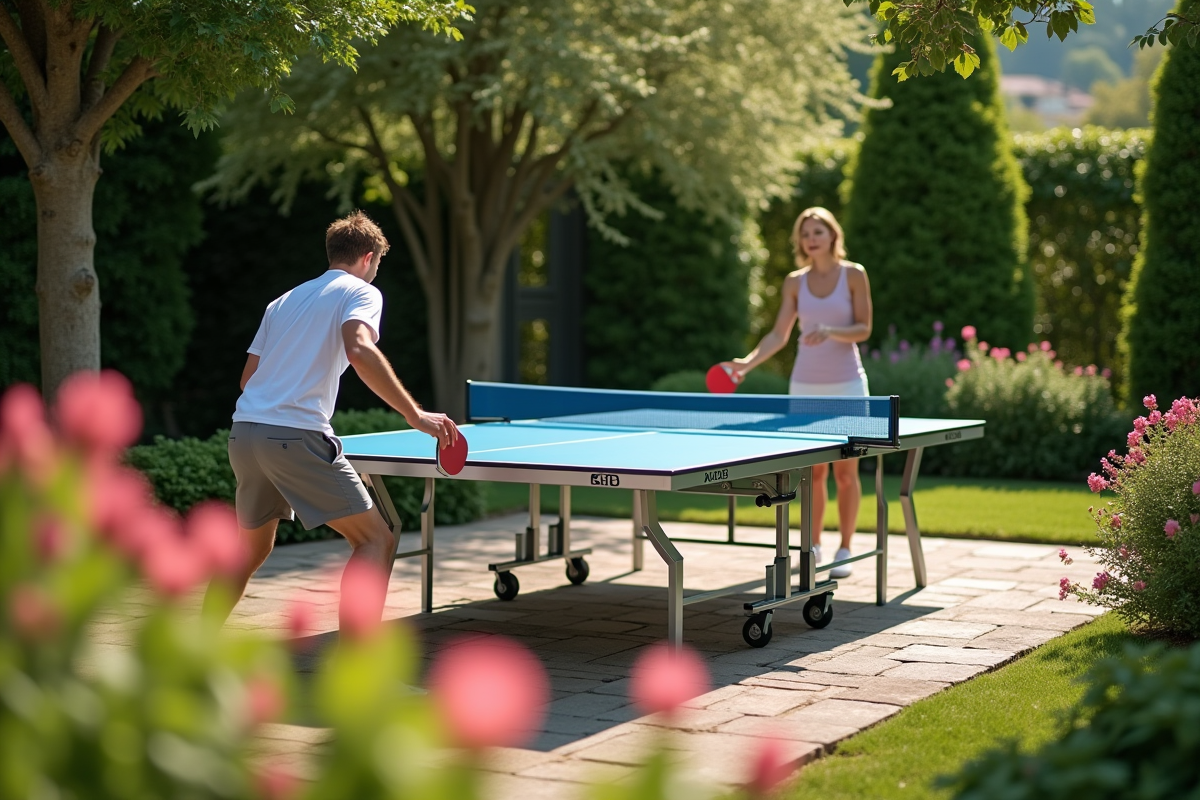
844	570
816	551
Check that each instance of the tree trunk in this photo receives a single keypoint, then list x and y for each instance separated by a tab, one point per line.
67	288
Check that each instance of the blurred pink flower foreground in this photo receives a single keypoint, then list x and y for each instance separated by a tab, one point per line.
664	679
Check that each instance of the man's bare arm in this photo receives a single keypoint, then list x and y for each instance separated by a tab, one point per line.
248	370
377	373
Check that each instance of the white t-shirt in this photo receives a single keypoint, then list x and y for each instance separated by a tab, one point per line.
302	354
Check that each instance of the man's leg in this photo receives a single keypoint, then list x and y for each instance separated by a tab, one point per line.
225	592
372	542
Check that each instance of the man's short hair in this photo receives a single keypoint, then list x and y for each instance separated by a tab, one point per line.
352	237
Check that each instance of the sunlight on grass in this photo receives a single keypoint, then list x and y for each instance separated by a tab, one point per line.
1025	701
1030	511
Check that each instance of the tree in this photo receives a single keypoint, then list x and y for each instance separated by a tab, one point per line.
934	207
75	76
471	142
1161	313
145	320
1126	103
935	34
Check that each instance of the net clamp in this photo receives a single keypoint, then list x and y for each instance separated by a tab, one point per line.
853	451
766	500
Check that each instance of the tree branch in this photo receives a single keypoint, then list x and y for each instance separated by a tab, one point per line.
20	132
433	157
93	81
349	145
136	73
33	22
23	57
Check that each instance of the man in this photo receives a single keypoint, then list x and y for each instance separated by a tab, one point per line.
283	450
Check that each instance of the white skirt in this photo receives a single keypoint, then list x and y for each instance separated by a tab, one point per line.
854	388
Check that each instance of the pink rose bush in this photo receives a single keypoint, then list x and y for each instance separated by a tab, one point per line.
1149	530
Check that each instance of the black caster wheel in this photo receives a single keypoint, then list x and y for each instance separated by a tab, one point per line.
815	612
758	630
578	571
506	585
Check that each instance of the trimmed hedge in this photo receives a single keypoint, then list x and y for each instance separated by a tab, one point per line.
1162	307
186	471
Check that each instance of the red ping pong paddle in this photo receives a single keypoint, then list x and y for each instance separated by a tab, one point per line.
451	460
720	380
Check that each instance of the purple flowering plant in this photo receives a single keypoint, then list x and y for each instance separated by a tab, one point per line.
1149	531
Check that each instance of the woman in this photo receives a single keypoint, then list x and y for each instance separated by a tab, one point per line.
832	298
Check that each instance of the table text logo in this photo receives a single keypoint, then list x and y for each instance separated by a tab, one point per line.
952	435
716	475
605	479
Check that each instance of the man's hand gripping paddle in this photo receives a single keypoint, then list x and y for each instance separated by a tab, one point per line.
452	458
720	379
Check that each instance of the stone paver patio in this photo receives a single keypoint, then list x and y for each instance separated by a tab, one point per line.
987	602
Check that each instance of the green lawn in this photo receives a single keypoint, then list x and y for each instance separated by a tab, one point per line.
1024	511
1024	701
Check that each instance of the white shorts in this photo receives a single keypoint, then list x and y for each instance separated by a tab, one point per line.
854	388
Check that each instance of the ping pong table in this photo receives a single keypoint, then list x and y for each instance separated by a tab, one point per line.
762	446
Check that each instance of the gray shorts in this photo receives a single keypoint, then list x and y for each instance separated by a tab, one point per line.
279	469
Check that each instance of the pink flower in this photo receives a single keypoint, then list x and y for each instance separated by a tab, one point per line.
1123	552
1057	364
24	435
1106	373
1052	354
1194	518
771	766
984	347
1097	483
1032	347
34	614
1045	345
264	700
1171	528
1196	487
1064	588
1154	417
276	782
963	364
1139	586
1021	356
300	621
212	528
1115	521
1133	439
115	496
1140	424
50	539
1100	581
99	411
1150	402
170	564
949	381
1108	467
1135	457
664	679
364	591
1064	558
491	691
1091	370
968	332
1079	372
938	327
144	528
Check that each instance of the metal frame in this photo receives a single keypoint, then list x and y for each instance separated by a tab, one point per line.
387	509
558	539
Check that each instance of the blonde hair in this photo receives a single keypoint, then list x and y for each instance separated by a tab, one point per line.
352	237
826	218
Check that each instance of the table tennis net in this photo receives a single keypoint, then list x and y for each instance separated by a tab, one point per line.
865	420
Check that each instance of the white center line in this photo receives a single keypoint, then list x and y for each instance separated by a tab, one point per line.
557	444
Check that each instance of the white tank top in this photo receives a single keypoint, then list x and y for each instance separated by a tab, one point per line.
830	361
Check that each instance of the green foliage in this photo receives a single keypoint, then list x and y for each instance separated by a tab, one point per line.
674	298
915	372
757	382
187	471
1161	313
1126	103
1149	538
1083	236
934	208
251	255
1044	422
818	180
146	218
1133	735
1085	66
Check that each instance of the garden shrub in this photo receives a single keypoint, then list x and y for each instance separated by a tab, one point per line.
1161	314
692	380
1150	532
934	205
1044	421
1135	734
673	298
917	373
1083	236
187	471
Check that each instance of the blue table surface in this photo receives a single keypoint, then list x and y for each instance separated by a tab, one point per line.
618	448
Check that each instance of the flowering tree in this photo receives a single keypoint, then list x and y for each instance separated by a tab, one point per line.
1149	531
470	142
75	76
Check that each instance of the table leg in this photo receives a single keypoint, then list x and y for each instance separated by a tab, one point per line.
881	535
732	518
648	503
427	546
808	564
911	467
638	524
783	560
